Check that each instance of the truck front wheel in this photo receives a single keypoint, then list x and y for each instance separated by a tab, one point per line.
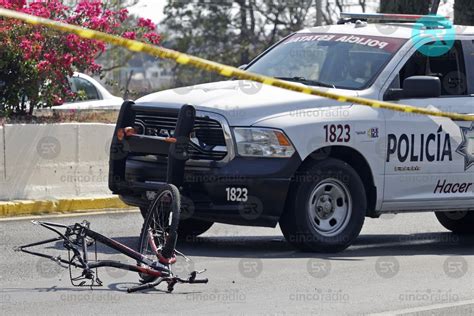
327	207
459	222
189	229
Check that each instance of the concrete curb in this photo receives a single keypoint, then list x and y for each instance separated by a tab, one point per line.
16	208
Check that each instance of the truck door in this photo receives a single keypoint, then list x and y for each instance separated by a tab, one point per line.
429	161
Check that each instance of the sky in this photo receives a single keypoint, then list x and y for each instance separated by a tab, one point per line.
151	9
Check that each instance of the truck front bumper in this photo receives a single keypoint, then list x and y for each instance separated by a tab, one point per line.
205	189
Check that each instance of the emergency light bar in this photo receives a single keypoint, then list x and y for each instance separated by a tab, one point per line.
392	17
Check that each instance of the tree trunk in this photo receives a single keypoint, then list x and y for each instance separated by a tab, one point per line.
244	34
406	6
319	12
464	12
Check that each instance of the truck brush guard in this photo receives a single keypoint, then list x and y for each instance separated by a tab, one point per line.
156	253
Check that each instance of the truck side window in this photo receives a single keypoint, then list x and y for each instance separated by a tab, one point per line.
449	68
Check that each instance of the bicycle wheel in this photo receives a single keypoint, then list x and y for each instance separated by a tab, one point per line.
159	231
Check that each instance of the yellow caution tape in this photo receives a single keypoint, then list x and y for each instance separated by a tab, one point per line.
222	69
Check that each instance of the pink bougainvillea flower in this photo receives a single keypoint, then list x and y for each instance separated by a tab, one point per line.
152	37
146	23
43	65
49	57
130	35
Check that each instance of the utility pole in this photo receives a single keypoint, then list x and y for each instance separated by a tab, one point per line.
319	12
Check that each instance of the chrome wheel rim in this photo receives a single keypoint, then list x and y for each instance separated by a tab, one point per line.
330	207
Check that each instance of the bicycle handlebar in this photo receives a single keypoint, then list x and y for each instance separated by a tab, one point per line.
171	282
204	281
142	287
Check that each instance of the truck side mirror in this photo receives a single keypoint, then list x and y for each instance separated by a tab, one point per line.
422	87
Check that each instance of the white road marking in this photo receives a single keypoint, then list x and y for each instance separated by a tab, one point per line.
424	308
75	214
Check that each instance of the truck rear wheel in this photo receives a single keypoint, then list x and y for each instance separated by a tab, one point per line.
327	208
459	222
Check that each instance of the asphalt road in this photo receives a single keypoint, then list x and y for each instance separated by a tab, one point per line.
404	264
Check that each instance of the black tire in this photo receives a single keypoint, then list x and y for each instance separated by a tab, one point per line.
458	222
327	190
144	211
189	229
167	203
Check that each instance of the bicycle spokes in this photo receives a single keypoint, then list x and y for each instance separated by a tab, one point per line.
79	237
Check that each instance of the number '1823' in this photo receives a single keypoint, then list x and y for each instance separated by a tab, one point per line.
338	133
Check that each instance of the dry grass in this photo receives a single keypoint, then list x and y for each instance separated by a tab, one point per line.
64	116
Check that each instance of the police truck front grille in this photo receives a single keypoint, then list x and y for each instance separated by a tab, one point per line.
208	141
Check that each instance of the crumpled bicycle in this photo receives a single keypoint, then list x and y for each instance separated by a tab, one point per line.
156	251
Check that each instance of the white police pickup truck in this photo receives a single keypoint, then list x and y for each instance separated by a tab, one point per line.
262	155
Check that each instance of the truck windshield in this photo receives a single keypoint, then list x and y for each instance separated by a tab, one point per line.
330	60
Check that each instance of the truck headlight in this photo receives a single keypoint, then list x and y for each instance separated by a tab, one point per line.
263	142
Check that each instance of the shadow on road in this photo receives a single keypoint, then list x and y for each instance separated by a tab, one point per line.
365	246
116	287
276	247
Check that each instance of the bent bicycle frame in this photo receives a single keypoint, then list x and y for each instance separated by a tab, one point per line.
76	239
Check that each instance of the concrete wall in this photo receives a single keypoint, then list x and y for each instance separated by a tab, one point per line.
51	161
